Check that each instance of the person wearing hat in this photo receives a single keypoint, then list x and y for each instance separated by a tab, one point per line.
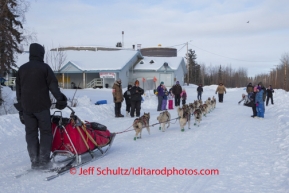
117	97
161	93
127	97
221	90
259	103
249	88
200	91
135	99
261	86
177	90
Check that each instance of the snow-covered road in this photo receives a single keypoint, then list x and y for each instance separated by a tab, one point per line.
251	155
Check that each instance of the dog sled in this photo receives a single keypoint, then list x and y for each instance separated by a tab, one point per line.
76	143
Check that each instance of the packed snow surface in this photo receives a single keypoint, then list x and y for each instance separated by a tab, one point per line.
250	155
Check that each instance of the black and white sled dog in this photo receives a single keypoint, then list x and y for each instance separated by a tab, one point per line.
164	118
140	123
184	116
245	98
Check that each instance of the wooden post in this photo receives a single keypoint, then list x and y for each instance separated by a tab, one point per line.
63	80
83	77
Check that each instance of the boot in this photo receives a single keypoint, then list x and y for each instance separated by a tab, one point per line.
116	116
34	165
120	115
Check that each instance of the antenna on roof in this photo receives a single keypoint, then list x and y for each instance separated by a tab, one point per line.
122	38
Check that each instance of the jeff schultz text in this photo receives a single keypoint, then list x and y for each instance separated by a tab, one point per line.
144	171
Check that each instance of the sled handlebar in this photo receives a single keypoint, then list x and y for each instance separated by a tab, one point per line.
72	114
72	111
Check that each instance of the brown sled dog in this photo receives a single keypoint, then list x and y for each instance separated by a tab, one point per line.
140	123
198	116
164	118
184	116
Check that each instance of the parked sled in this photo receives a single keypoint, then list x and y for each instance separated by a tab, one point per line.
76	143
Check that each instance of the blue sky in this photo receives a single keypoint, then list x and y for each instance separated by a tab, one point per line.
218	29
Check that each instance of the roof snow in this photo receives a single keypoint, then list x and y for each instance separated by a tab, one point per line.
147	64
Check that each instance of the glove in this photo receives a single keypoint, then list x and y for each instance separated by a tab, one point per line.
61	104
21	117
18	106
257	104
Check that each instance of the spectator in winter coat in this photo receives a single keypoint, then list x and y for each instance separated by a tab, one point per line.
260	84
34	80
117	97
127	96
221	90
270	92
249	88
252	97
136	98
259	103
160	91
165	98
183	96
177	90
200	91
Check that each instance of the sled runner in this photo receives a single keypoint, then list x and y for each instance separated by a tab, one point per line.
75	143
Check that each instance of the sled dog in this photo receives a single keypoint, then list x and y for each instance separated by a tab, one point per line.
198	116
164	118
192	108
140	123
184	116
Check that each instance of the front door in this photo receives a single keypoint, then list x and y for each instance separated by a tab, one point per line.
167	79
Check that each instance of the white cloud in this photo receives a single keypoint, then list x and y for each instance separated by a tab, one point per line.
217	26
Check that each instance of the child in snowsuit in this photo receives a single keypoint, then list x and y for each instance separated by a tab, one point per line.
170	98
184	97
165	99
127	97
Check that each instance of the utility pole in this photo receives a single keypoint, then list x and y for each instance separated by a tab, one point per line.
276	76
188	66
122	39
285	65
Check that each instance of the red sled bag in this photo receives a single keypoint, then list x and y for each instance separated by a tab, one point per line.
76	137
99	133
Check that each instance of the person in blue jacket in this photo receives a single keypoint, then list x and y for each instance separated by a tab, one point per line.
259	103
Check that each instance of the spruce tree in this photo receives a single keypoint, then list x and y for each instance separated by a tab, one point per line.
11	30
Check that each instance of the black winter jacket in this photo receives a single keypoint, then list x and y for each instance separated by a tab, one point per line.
127	94
269	92
34	80
136	93
200	89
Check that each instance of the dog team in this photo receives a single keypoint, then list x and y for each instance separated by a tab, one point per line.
198	109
